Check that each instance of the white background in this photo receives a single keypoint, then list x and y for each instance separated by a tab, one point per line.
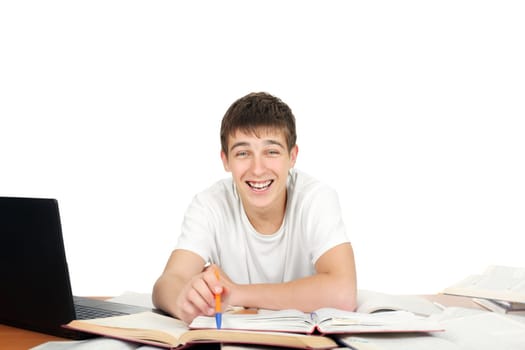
413	110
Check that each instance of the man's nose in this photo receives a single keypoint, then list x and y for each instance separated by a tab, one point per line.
257	165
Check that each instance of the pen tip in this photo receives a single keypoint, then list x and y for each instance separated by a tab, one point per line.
218	320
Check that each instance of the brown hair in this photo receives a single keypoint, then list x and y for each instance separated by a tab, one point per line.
255	111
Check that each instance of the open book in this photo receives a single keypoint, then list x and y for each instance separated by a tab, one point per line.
371	301
497	282
168	332
164	331
324	321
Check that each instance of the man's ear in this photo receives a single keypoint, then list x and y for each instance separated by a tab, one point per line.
293	155
224	158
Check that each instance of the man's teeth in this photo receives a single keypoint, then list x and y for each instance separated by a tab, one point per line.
260	185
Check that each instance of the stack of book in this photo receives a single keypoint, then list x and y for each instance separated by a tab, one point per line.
501	306
500	289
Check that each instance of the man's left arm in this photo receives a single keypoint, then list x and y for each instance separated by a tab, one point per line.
333	285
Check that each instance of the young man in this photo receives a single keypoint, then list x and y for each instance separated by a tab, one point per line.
275	234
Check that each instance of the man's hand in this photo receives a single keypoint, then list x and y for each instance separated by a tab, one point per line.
186	289
197	297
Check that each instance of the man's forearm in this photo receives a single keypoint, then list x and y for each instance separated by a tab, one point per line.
305	294
165	292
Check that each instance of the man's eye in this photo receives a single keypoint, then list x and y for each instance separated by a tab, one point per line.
241	154
273	152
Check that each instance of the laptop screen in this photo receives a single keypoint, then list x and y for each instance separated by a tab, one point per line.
36	291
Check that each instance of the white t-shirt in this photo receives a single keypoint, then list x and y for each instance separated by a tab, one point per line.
216	227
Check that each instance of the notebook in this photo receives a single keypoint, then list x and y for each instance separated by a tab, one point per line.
35	290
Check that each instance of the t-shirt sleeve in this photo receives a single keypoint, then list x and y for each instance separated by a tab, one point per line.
325	228
197	232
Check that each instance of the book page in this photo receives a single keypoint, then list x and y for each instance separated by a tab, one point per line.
339	321
482	330
370	301
503	278
327	320
264	320
134	298
498	282
398	342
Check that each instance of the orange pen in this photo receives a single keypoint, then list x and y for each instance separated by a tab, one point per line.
218	312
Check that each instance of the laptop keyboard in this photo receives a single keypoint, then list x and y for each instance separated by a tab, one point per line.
87	312
88	308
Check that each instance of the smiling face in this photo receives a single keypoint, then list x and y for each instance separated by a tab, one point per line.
259	164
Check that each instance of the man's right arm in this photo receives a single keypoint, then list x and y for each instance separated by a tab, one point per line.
184	289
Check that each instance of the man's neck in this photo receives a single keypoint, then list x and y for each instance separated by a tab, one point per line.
266	221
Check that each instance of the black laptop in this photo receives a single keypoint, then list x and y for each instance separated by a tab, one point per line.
35	290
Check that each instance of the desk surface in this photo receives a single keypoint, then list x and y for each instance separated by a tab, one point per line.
15	338
20	339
